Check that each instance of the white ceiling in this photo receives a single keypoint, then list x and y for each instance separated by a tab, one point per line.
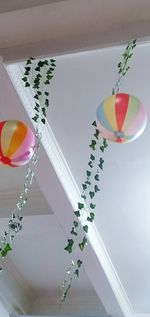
119	244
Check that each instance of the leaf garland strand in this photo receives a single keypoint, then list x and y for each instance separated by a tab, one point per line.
85	212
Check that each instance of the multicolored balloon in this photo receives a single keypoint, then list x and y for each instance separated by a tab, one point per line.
121	118
17	143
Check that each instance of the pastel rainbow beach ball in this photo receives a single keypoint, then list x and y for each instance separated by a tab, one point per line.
121	118
17	143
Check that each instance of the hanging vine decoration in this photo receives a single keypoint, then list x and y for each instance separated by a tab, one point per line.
85	212
37	75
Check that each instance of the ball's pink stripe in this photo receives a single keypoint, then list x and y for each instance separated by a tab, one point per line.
28	143
134	126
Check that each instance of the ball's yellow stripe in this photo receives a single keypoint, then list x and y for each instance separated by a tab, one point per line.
19	133
6	135
109	110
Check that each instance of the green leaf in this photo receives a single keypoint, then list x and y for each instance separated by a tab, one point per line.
46	93
36	109
88	173
43	120
37	69
39	93
80	205
82	244
91	218
94	124
96	177
73	231
6	248
83	196
92	206
101	163
93	144
27	68
36	97
85	228
77	213
96	134
76	272
88	183
91	194
92	157
84	186
52	60
46	102
35	119
24	79
102	148
79	263
28	62
96	188
46	82
27	84
75	224
105	144
90	164
69	246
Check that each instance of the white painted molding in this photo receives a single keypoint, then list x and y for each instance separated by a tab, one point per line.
60	165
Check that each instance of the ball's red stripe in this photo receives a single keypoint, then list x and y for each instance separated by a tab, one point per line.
121	106
1	127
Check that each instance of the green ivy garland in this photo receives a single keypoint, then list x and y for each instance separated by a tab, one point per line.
86	207
38	75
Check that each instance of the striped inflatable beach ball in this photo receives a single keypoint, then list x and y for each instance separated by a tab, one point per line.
17	143
121	118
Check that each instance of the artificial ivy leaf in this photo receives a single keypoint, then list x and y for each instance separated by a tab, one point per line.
25	79
88	183
84	186
5	250
96	177
75	224
90	164
91	194
46	62
26	73
35	119
28	68
27	84
83	196
46	102
94	124
82	244
46	93
80	205
85	228
102	148
96	134
77	213
49	77
28	62
43	120
92	215
73	231
92	157
93	144
36	109
39	93
37	69
79	263
91	218
88	173
76	272
41	63
46	82
105	144
52	60
101	163
69	246
36	97
53	64
92	206
96	188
